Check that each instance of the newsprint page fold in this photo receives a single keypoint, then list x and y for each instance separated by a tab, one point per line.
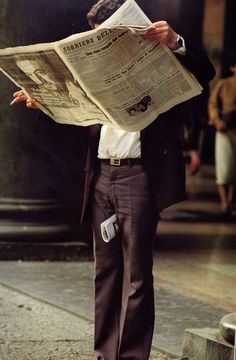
110	75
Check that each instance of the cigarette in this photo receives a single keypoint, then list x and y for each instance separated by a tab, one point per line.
13	101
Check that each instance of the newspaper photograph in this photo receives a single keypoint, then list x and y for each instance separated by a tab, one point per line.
109	75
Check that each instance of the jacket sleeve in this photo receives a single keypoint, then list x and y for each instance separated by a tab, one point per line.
198	63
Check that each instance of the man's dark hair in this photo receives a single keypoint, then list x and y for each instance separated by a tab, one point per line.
102	10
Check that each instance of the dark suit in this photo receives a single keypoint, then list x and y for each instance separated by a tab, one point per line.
124	316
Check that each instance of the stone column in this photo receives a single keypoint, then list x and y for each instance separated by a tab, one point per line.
41	167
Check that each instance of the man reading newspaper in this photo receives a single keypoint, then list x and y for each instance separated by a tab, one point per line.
135	176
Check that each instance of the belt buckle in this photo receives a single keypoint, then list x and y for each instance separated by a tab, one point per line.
115	162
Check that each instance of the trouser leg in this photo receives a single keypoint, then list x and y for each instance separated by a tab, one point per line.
108	275
138	219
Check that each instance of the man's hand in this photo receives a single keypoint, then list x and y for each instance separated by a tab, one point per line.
30	103
162	32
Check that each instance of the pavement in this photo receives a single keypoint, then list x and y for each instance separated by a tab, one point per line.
46	311
46	307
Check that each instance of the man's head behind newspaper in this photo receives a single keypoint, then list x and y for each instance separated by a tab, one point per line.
102	10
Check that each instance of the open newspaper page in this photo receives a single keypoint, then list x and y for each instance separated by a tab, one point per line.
131	79
41	73
110	75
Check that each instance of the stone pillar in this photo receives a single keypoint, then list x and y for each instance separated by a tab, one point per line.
41	167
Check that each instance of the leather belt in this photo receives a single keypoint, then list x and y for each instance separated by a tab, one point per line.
120	162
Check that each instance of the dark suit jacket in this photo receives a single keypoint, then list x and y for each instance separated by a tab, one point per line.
160	142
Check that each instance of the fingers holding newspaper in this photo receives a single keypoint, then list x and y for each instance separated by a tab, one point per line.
162	32
19	96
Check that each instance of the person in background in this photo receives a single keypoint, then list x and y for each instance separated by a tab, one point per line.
194	123
222	114
134	176
191	131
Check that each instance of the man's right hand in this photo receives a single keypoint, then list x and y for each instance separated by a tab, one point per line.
30	103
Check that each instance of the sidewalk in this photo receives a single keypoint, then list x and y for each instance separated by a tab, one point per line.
46	312
33	329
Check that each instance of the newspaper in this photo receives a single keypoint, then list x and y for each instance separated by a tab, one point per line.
110	75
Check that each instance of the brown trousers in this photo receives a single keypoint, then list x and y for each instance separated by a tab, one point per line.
124	297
